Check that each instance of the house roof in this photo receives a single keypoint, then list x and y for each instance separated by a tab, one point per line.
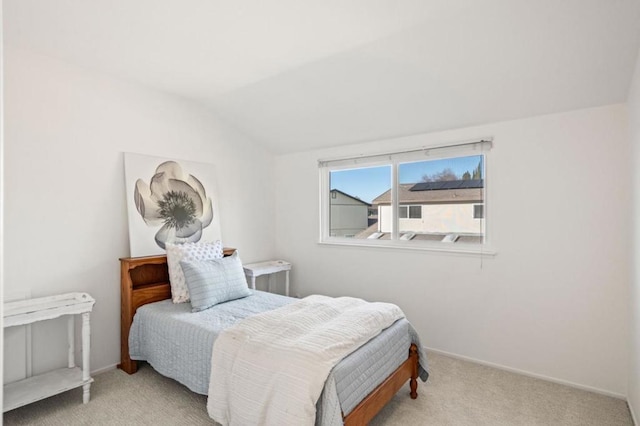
429	193
351	196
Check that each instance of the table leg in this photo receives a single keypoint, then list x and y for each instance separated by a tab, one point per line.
71	337
253	282
286	283
86	345
29	350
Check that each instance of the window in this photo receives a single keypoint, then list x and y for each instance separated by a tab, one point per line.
432	197
353	189
410	212
478	211
415	212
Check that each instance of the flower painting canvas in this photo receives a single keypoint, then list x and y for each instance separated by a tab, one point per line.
169	201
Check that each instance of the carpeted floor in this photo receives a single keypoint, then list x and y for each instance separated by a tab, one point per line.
458	393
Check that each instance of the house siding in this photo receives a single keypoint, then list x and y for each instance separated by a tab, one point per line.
348	215
436	218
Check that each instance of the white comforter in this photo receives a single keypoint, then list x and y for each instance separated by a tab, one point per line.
269	369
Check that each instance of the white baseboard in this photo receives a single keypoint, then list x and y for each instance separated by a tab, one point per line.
633	415
104	369
529	374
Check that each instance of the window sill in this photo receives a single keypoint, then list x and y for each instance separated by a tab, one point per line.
451	248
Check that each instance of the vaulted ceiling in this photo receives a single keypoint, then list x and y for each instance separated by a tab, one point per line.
299	74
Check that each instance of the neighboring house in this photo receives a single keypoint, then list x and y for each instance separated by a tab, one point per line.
373	215
448	207
349	214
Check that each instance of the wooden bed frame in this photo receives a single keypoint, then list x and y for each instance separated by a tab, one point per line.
146	279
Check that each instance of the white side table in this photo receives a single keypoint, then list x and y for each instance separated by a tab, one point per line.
253	270
35	388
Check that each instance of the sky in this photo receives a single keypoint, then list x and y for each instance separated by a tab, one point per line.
367	183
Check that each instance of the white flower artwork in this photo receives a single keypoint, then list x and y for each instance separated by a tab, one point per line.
169	201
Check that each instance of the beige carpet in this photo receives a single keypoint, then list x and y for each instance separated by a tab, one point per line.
458	393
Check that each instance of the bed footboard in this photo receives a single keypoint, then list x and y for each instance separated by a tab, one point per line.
380	396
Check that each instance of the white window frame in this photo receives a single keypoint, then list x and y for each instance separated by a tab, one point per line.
481	146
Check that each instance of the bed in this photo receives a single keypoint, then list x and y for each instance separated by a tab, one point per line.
363	382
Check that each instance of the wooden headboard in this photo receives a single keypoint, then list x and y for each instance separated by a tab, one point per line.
142	280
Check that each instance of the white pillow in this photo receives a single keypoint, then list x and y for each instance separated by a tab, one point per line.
176	253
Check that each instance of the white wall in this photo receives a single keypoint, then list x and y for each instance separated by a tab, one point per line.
634	299
553	301
1	186
65	205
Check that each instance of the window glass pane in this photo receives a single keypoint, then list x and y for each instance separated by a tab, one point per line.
439	200
444	196
478	211
415	212
352	214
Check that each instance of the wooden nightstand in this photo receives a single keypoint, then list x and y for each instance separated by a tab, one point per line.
253	270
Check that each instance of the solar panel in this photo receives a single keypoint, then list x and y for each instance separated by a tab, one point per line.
472	183
422	186
448	184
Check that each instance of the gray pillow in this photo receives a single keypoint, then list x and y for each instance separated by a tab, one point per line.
214	281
